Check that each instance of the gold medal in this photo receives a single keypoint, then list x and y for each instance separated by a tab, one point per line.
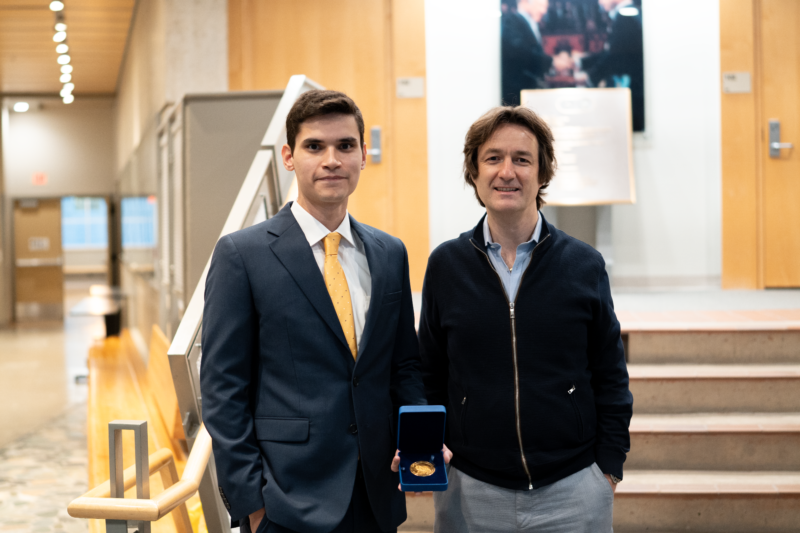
422	469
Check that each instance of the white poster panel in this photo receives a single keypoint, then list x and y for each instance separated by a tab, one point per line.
592	131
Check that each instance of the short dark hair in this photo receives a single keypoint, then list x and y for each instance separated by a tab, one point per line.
484	127
316	103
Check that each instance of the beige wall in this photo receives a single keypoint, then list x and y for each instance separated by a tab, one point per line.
72	144
140	89
5	238
176	47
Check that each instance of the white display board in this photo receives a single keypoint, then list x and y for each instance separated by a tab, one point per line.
592	130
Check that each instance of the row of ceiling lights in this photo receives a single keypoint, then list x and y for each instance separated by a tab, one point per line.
62	48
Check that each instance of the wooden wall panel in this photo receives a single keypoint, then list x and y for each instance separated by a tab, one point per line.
741	193
410	127
359	48
779	55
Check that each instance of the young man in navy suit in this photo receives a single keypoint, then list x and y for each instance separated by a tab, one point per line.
309	346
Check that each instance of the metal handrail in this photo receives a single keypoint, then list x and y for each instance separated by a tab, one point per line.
97	503
266	188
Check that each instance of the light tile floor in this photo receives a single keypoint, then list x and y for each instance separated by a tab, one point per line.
41	473
43	455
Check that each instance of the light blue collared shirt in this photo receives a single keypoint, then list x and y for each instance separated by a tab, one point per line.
511	276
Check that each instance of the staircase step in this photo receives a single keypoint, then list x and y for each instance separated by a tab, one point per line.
711	346
715	388
420	513
756	441
707	501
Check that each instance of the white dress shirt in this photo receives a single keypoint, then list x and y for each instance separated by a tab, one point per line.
352	257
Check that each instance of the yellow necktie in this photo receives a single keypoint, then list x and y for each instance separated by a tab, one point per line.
337	288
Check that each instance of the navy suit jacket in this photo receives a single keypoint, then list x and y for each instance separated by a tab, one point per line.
288	409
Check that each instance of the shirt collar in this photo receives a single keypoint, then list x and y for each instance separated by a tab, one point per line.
315	231
487	235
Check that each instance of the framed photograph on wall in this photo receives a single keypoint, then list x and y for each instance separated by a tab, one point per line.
552	44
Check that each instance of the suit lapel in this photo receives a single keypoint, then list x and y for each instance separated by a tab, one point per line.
377	260
293	251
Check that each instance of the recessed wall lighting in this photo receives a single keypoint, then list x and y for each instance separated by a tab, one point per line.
66	69
21	107
60	26
69	99
56	5
65	78
62	48
59	36
63	59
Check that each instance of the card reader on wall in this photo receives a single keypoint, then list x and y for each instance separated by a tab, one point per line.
420	439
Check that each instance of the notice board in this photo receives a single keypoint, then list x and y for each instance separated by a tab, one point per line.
593	144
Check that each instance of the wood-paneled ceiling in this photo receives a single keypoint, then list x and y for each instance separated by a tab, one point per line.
96	34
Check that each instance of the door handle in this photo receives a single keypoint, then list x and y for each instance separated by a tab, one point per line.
375	140
778	146
775	144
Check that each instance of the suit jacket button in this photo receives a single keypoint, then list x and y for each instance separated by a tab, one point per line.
353	429
355	382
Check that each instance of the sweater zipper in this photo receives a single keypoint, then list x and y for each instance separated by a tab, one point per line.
513	318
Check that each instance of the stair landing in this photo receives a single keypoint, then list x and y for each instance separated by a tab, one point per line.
748	320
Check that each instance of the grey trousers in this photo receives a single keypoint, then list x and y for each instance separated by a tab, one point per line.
580	503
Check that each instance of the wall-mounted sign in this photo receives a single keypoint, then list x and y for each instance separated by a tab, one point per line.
39	178
28	203
736	82
411	87
592	131
38	244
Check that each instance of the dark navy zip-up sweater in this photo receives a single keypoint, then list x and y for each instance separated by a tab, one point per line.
572	405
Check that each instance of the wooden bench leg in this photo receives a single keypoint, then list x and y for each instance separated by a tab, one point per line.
169	476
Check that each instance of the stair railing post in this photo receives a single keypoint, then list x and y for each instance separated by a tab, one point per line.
116	481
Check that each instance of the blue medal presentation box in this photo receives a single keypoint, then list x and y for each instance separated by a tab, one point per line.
420	437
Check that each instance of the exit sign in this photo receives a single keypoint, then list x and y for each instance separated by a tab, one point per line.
39	178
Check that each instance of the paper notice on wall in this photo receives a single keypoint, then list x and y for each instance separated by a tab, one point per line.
411	87
592	131
38	244
736	82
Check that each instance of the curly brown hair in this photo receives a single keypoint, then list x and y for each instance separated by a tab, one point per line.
483	128
316	103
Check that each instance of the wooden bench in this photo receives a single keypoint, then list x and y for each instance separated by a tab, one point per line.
121	386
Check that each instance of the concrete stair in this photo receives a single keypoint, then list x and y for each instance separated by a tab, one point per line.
718	501
762	441
715	436
707	388
714	345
